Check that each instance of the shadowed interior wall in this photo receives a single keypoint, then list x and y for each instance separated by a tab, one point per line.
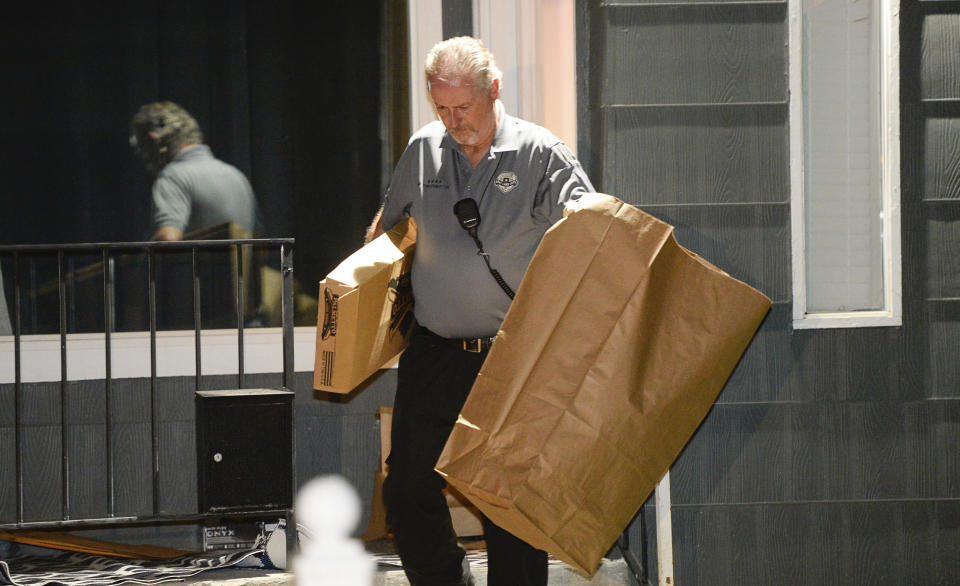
286	91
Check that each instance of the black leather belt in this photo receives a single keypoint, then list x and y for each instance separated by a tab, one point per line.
475	345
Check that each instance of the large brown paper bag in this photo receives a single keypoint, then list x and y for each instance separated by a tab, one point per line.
365	312
615	348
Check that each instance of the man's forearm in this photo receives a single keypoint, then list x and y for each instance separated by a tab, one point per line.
376	226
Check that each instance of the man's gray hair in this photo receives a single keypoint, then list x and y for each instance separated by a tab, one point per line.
464	58
174	128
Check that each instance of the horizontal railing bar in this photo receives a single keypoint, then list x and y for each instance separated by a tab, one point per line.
150	520
144	245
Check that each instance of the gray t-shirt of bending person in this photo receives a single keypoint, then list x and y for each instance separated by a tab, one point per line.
197	191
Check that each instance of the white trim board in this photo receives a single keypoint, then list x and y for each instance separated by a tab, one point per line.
130	354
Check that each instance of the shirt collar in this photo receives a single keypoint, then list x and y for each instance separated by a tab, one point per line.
505	138
195	151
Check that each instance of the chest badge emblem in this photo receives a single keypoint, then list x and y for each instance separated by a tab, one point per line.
506	181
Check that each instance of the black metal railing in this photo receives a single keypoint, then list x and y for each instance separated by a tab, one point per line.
66	277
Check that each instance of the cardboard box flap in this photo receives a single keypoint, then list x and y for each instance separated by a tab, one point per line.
376	255
365	314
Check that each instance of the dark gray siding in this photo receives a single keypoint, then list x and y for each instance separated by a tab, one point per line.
832	455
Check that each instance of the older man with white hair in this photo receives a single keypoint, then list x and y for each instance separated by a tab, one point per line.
509	181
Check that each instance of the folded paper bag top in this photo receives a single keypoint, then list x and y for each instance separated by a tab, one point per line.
365	314
615	348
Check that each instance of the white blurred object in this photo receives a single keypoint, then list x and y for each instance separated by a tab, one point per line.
276	548
328	510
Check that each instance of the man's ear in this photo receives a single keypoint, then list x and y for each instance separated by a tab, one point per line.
495	89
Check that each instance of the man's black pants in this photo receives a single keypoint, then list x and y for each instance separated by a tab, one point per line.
434	379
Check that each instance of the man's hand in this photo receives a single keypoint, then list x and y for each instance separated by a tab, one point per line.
168	233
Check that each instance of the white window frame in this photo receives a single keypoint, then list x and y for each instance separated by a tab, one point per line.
891	314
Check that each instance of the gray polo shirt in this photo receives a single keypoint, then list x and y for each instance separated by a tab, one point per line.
521	187
196	191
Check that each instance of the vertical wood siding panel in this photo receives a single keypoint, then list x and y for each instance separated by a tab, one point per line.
941	177
806	465
178	467
941	244
133	469
88	471
940	56
920	529
713	555
919	475
876	448
763	373
130	401
8	480
41	404
733	154
42	473
7	402
818	543
823	545
781	531
912	162
361	458
176	399
873	543
324	443
943	350
748	242
942	441
870	356
775	452
695	54
310	447
947	538
85	402
720	463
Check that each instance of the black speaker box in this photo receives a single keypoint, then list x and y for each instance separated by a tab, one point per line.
244	450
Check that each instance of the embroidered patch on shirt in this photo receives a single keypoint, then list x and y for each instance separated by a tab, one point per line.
506	181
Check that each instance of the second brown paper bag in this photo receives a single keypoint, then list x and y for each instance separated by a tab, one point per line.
614	350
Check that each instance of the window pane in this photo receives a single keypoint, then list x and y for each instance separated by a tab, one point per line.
843	189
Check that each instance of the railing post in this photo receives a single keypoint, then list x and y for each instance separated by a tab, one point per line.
286	268
108	372
287	315
154	427
196	313
240	314
64	455
17	384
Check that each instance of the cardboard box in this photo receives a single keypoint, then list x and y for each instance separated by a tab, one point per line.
614	350
365	311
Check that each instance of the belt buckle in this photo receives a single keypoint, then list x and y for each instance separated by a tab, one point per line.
475	345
